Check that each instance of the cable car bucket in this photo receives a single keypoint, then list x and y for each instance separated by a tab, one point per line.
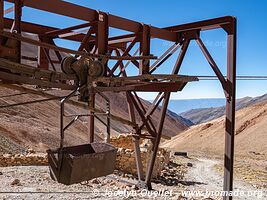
74	164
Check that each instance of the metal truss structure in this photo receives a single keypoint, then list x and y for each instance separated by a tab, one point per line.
105	59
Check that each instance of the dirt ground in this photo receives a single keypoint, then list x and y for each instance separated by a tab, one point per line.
183	174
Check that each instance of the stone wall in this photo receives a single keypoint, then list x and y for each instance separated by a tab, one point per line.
126	155
23	159
125	161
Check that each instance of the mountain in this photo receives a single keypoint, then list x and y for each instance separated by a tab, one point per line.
183	105
202	115
251	137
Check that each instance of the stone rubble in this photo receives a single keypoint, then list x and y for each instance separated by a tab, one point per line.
125	161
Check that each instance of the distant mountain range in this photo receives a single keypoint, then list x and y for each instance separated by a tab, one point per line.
200	115
183	105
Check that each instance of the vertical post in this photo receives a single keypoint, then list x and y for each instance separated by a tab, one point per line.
157	141
91	127
42	60
176	69
17	27
108	122
1	19
230	109
145	50
136	139
102	48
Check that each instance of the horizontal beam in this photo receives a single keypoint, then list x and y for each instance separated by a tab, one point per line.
146	87
70	51
202	25
38	29
41	30
89	15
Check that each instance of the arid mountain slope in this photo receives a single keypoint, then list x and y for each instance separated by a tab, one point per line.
37	125
202	115
251	134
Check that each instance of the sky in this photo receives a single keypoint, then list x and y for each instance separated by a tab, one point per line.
251	38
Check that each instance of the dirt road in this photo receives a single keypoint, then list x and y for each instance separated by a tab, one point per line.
206	178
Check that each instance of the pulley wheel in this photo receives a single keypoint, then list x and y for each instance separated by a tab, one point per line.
66	65
96	69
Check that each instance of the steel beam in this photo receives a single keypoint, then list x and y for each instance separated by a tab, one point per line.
145	49
1	14
212	63
202	25
136	139
17	28
157	141
230	109
87	14
1	19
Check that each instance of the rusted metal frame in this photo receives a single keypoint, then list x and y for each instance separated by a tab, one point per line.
136	139
38	29
145	49
162	56
85	54
36	59
44	58
113	69
107	113
202	25
26	80
165	56
17	27
87	14
152	108
56	33
230	108
59	57
102	32
1	19
152	160
143	87
148	121
141	114
85	40
181	55
9	10
62	111
135	62
128	62
46	52
122	67
212	63
157	141
122	38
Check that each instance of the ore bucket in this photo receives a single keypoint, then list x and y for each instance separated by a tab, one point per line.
81	163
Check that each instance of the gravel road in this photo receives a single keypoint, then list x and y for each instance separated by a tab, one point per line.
205	176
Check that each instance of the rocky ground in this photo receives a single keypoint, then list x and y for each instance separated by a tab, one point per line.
34	182
182	174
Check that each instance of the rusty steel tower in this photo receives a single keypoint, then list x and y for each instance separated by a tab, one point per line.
100	64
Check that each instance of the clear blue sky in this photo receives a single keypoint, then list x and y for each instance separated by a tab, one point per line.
251	39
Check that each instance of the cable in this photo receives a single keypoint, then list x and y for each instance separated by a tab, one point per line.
237	77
